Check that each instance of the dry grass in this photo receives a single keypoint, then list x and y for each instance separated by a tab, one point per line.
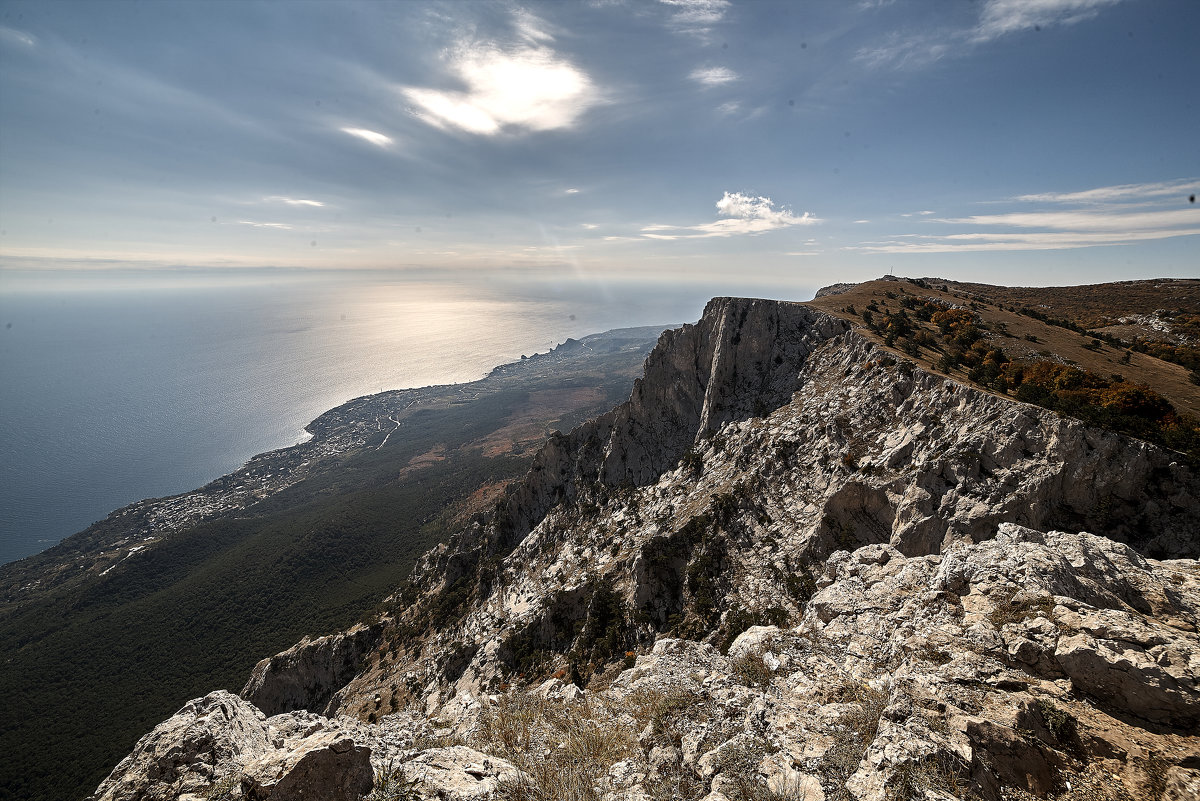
751	669
660	706
943	773
1007	610
564	751
858	726
1104	300
391	785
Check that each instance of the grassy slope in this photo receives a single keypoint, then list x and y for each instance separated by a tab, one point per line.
1092	304
92	666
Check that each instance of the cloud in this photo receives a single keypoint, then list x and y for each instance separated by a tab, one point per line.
742	214
283	226
374	137
1086	220
16	37
294	201
1096	221
1000	17
572	191
997	18
1122	192
697	16
713	76
524	86
963	243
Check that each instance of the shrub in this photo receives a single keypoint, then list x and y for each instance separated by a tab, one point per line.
751	669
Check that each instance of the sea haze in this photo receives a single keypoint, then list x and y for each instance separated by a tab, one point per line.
121	387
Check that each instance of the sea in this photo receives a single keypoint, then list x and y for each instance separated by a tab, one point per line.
121	385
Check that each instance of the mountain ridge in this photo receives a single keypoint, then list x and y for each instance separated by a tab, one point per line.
771	458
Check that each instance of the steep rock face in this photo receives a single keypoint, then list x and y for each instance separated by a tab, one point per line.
741	359
306	675
861	453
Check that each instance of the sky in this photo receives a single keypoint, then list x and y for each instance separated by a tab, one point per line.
1024	142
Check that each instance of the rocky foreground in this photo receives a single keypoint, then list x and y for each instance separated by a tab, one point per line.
792	566
1041	661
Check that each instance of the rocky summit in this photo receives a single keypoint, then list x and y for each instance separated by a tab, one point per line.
795	564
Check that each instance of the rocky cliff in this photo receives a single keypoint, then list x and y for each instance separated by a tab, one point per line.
792	565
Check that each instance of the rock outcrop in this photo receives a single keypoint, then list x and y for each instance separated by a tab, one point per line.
306	675
790	563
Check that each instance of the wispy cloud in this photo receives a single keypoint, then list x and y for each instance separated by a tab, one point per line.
740	213
522	86
1086	220
997	18
696	16
1108	215
294	201
283	226
16	37
713	76
374	137
1123	192
1000	17
965	243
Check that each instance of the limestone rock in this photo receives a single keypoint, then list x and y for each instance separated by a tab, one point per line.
204	742
306	675
458	773
328	765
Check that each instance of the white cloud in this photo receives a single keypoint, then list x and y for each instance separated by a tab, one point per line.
958	243
860	222
1122	192
1087	220
997	18
295	201
730	108
523	86
697	16
1000	17
572	191
900	51
282	226
374	137
590	226
14	36
1155	213
713	76
742	214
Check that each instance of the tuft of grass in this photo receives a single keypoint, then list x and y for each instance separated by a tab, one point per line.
1008	610
943	773
858	727
563	751
751	669
391	785
660	706
1059	722
226	789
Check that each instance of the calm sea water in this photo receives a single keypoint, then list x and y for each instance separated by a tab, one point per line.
119	387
